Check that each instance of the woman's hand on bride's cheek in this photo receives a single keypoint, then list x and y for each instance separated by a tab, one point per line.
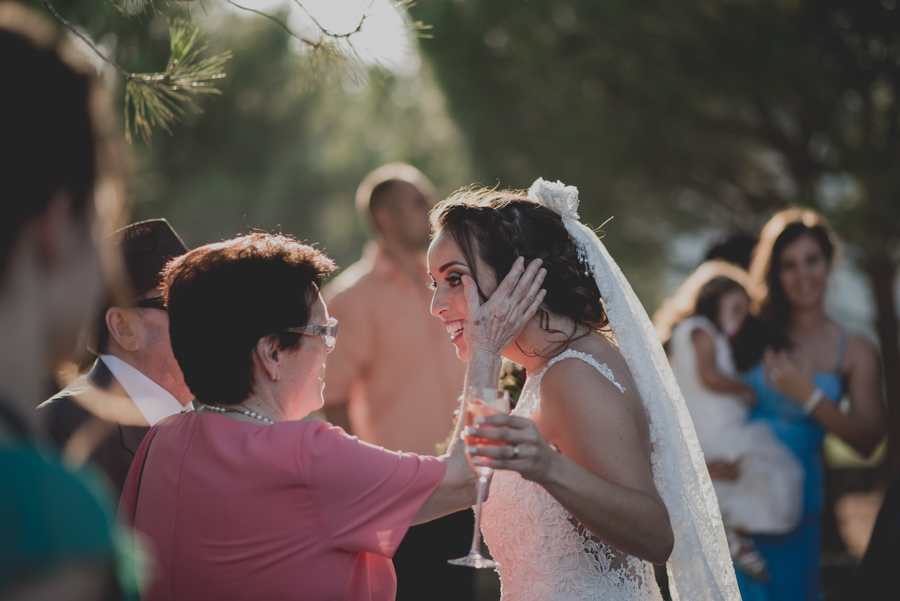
494	325
524	450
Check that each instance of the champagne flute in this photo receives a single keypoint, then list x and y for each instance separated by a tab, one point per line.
480	402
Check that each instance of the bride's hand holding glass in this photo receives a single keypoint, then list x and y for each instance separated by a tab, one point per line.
510	442
480	402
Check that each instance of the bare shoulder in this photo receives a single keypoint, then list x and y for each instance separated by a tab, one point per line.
349	283
573	378
582	409
699	334
860	351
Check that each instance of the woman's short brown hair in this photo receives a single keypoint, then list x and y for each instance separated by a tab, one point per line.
222	298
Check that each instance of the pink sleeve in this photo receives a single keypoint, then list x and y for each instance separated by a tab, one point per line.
367	496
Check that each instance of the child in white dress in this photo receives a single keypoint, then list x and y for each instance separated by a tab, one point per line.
760	483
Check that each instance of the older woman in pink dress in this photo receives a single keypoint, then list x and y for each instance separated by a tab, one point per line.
243	498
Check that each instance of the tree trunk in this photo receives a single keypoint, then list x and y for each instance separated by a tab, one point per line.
882	272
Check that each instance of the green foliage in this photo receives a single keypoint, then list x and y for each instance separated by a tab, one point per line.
160	99
269	154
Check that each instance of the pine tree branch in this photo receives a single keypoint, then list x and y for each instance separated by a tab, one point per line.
161	99
84	39
331	34
417	28
275	20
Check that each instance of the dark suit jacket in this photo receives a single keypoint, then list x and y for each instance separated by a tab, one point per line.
94	418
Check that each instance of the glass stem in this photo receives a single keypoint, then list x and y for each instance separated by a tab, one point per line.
479	501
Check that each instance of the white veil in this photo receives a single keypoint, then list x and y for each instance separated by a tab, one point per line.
700	567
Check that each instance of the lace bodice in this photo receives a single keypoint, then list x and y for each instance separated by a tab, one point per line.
545	555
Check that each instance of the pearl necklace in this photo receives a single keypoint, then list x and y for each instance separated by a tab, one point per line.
247	412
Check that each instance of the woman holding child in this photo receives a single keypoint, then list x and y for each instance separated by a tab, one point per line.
758	481
803	363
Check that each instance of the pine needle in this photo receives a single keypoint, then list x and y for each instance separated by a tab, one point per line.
161	99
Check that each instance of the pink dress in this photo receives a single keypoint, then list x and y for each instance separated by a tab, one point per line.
294	510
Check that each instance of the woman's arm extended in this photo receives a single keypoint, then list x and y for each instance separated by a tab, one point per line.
457	490
601	473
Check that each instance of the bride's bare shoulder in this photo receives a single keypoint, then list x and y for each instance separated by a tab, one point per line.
581	404
607	353
578	373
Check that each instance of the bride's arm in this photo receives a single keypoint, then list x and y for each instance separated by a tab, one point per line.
601	473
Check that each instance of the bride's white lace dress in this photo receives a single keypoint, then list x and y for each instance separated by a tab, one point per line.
545	555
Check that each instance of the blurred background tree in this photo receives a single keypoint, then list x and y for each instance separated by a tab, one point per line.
675	117
274	151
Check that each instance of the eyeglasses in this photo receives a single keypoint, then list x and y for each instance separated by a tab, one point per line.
154	302
328	332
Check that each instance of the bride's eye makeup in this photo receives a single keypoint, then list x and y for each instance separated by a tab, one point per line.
453	280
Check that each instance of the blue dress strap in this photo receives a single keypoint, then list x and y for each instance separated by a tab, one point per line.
840	353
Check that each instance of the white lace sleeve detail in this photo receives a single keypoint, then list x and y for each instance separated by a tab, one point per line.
589	359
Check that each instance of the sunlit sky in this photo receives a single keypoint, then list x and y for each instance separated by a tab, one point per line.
384	37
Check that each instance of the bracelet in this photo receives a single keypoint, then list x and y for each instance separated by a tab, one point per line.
813	401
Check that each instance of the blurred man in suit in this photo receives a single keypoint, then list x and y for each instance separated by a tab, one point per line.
135	382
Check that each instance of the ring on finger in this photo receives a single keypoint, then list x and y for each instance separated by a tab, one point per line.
515	451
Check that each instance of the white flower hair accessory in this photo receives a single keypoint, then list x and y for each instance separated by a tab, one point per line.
556	196
563	200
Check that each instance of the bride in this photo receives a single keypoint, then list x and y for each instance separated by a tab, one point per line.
604	478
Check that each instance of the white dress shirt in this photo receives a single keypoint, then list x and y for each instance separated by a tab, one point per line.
153	401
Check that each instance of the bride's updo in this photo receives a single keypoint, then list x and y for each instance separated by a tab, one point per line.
498	226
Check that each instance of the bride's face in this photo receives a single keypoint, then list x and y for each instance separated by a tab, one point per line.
446	266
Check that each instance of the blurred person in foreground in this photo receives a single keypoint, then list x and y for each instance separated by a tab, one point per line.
803	363
395	380
135	381
57	536
265	504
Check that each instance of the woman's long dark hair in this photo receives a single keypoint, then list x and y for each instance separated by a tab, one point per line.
498	226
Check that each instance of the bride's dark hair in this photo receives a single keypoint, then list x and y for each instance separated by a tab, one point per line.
498	226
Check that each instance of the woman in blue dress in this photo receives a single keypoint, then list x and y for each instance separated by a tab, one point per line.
804	363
